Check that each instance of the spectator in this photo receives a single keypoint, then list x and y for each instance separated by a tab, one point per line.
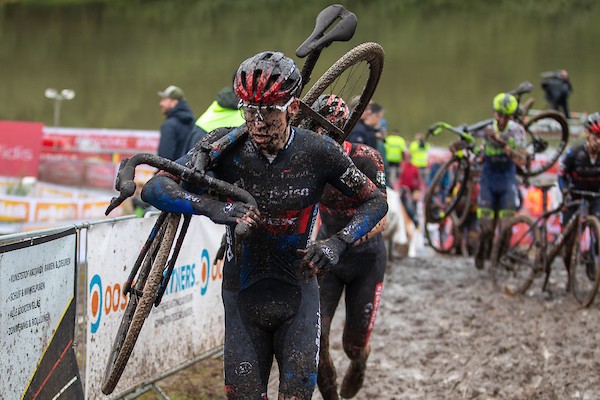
365	131
175	131
395	146
222	113
409	185
557	88
419	150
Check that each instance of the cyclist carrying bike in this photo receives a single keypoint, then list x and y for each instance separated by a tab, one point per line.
360	270
504	139
271	295
579	168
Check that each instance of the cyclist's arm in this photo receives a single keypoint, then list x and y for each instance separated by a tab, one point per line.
370	162
348	179
164	192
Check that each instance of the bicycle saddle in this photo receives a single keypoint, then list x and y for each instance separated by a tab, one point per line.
319	39
524	87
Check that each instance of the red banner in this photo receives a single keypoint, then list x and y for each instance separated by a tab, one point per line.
20	145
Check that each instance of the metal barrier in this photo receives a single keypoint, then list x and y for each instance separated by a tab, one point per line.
90	259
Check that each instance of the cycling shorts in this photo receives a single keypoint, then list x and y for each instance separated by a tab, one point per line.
271	317
498	191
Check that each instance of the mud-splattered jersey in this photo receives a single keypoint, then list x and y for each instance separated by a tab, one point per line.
287	189
337	209
495	159
577	168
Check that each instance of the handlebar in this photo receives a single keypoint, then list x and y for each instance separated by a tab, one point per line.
462	131
126	186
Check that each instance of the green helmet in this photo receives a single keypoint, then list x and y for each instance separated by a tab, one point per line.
505	103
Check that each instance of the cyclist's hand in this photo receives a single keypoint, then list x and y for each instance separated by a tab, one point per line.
322	255
232	213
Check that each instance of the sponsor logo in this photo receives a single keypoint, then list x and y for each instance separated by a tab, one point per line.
104	299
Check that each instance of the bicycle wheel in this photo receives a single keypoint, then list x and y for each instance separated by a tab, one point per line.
515	256
464	203
547	137
443	236
446	188
354	76
140	303
585	262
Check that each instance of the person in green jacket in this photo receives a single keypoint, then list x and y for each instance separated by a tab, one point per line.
419	149
395	146
222	113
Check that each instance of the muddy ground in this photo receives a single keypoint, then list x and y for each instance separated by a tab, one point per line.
443	333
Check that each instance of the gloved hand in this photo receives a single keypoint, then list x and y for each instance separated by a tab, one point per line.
322	255
230	213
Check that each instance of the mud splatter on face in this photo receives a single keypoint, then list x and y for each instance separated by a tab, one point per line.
268	129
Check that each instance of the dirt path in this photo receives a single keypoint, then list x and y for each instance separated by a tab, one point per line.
443	333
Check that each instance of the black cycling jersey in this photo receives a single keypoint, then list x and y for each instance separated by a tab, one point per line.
287	189
577	168
337	209
260	323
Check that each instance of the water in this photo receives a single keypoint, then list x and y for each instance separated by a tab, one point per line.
445	59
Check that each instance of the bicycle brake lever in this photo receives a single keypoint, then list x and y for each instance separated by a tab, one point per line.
319	39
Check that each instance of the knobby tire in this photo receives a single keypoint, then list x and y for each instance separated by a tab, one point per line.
584	289
373	55
436	211
559	144
137	309
446	237
515	256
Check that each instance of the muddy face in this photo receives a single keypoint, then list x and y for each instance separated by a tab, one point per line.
267	126
593	142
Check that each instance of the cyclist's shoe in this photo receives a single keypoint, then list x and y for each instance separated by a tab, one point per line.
355	375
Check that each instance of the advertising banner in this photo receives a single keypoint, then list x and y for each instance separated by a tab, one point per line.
188	322
20	145
100	140
37	319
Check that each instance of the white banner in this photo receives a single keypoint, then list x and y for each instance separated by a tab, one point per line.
188	322
37	318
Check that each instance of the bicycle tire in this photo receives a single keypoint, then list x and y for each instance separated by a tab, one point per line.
137	309
465	201
547	138
443	235
370	53
438	209
515	256
584	286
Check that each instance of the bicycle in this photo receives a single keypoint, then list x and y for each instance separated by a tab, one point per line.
523	249
151	272
547	137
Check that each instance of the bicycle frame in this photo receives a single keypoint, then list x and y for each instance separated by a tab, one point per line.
549	251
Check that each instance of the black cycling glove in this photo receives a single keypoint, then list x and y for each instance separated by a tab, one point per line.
225	213
323	255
